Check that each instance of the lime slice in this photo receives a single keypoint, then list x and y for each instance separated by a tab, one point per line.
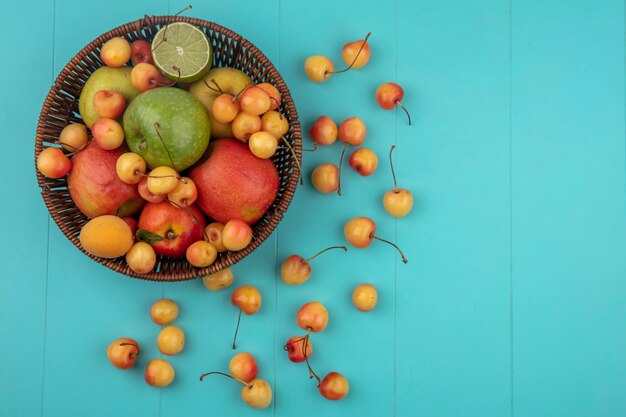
181	52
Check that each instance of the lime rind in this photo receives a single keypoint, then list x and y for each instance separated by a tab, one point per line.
185	48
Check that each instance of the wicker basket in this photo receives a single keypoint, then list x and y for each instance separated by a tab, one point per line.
61	108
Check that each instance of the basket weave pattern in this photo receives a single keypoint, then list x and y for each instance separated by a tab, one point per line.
61	107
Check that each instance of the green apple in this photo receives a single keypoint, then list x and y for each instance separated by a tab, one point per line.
229	80
165	123
105	78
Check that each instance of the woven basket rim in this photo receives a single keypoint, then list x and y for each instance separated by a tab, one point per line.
135	29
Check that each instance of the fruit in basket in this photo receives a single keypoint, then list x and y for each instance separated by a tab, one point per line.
109	104
132	223
233	183
73	137
141	258
263	144
176	228
273	93
275	123
214	83
243	366
108	134
225	108
106	237
159	373
201	254
399	201
236	235
130	168
334	386
219	280
105	78
182	52
364	161
95	187
115	52
171	340
141	52
145	193
213	233
163	180
390	95
168	127
145	76
185	193
244	125
123	352
53	163
255	101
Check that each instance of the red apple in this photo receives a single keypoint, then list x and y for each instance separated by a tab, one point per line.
95	187
109	104
141	52
233	183
177	227
132	223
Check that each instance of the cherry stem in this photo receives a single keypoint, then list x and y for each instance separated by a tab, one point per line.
218	89
394	245
156	127
237	329
311	371
74	148
224	374
186	209
393	173
280	115
327	249
250	84
295	157
355	58
141	174
132	344
405	110
340	164
166	26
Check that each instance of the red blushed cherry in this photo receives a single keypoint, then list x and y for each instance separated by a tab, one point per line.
123	352
399	201
364	161
243	366
296	270
324	131
325	178
312	316
298	349
256	393
141	52
389	95
360	231
352	131
334	386
248	299
356	54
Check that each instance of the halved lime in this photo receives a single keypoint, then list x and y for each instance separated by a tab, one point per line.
182	52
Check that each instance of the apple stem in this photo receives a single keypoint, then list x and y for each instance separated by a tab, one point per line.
311	371
355	58
224	374
327	249
405	110
237	329
393	173
132	344
394	245
156	127
295	157
340	164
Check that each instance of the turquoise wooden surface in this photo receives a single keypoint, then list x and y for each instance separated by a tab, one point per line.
513	301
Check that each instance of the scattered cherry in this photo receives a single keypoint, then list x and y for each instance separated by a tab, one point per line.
325	178
390	95
123	352
248	299
256	393
219	280
365	297
159	373
352	131
171	340
323	131
164	311
297	349
296	270
356	54
319	68
364	161
399	201
243	366
360	231
334	386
